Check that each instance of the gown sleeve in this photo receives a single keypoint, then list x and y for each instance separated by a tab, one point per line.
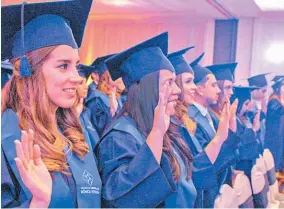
227	155
85	119
100	114
130	174
12	193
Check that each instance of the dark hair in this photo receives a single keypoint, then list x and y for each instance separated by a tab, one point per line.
241	104
141	101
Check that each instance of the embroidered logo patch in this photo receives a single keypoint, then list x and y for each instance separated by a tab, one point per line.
88	177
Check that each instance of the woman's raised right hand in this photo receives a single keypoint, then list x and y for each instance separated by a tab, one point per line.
161	117
33	171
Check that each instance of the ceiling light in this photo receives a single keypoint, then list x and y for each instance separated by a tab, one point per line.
117	2
275	53
270	5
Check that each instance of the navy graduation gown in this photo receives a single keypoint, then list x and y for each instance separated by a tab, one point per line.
85	119
204	174
92	87
262	130
274	136
202	166
186	193
249	148
99	105
227	157
86	185
130	174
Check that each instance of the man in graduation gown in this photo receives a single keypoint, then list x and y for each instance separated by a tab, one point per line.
207	93
274	135
225	75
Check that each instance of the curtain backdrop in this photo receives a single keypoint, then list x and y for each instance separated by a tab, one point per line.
105	37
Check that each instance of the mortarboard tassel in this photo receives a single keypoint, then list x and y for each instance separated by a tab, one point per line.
25	68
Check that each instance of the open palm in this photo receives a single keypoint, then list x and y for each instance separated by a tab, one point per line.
113	102
32	170
161	117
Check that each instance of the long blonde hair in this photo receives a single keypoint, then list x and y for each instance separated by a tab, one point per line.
28	98
181	110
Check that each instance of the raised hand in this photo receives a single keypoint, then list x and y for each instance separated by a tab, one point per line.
161	124
233	118
33	171
223	128
113	102
161	116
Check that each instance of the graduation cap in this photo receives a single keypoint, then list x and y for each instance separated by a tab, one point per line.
258	80
28	27
85	70
179	63
277	78
140	60
199	71
243	93
278	83
224	71
98	66
6	72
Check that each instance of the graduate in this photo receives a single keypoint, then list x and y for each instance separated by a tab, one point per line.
102	102
143	162
207	93
259	95
260	102
274	135
6	72
83	112
46	155
224	74
121	91
204	174
250	148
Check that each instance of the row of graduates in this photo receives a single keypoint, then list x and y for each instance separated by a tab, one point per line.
171	141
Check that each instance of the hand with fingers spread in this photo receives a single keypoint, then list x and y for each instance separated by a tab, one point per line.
161	116
213	148
113	102
233	118
33	171
223	128
256	122
161	124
